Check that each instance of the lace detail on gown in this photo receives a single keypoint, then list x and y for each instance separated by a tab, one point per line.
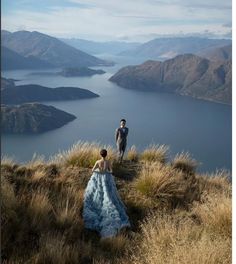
103	209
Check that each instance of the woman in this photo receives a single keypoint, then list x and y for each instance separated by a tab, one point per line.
103	209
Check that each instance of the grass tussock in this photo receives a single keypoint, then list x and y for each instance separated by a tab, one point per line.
133	154
37	161
155	153
184	162
216	215
169	239
40	209
67	211
82	154
115	245
38	175
217	183
7	161
176	215
163	183
54	249
9	217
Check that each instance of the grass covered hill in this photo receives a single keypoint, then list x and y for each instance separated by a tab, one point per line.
177	215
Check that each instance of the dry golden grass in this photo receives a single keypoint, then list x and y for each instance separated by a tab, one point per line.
82	154
184	162
215	215
168	239
40	210
133	154
53	249
155	153
9	217
163	183
188	216
38	175
37	161
7	193
115	245
7	161
216	183
67	210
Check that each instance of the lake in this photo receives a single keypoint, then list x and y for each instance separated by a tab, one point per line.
185	124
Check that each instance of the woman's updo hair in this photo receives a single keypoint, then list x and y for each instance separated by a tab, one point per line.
103	153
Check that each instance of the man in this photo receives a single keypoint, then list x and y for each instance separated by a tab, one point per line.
121	138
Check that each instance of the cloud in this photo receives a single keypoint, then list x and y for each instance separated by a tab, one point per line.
104	19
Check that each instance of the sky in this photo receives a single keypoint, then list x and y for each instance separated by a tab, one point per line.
123	20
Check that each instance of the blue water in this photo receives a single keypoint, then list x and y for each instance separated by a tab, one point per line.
185	124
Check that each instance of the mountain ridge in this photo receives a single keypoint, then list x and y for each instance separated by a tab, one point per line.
167	48
186	74
217	54
11	60
48	49
97	47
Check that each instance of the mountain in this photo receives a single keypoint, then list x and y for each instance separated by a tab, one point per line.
32	118
93	47
217	54
7	83
185	74
36	93
10	60
166	48
48	49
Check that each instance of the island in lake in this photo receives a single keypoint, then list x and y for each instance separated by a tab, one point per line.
72	72
12	94
20	113
32	118
79	71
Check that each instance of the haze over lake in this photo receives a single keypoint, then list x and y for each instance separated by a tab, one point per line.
185	124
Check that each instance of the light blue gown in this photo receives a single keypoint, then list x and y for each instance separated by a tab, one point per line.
103	209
